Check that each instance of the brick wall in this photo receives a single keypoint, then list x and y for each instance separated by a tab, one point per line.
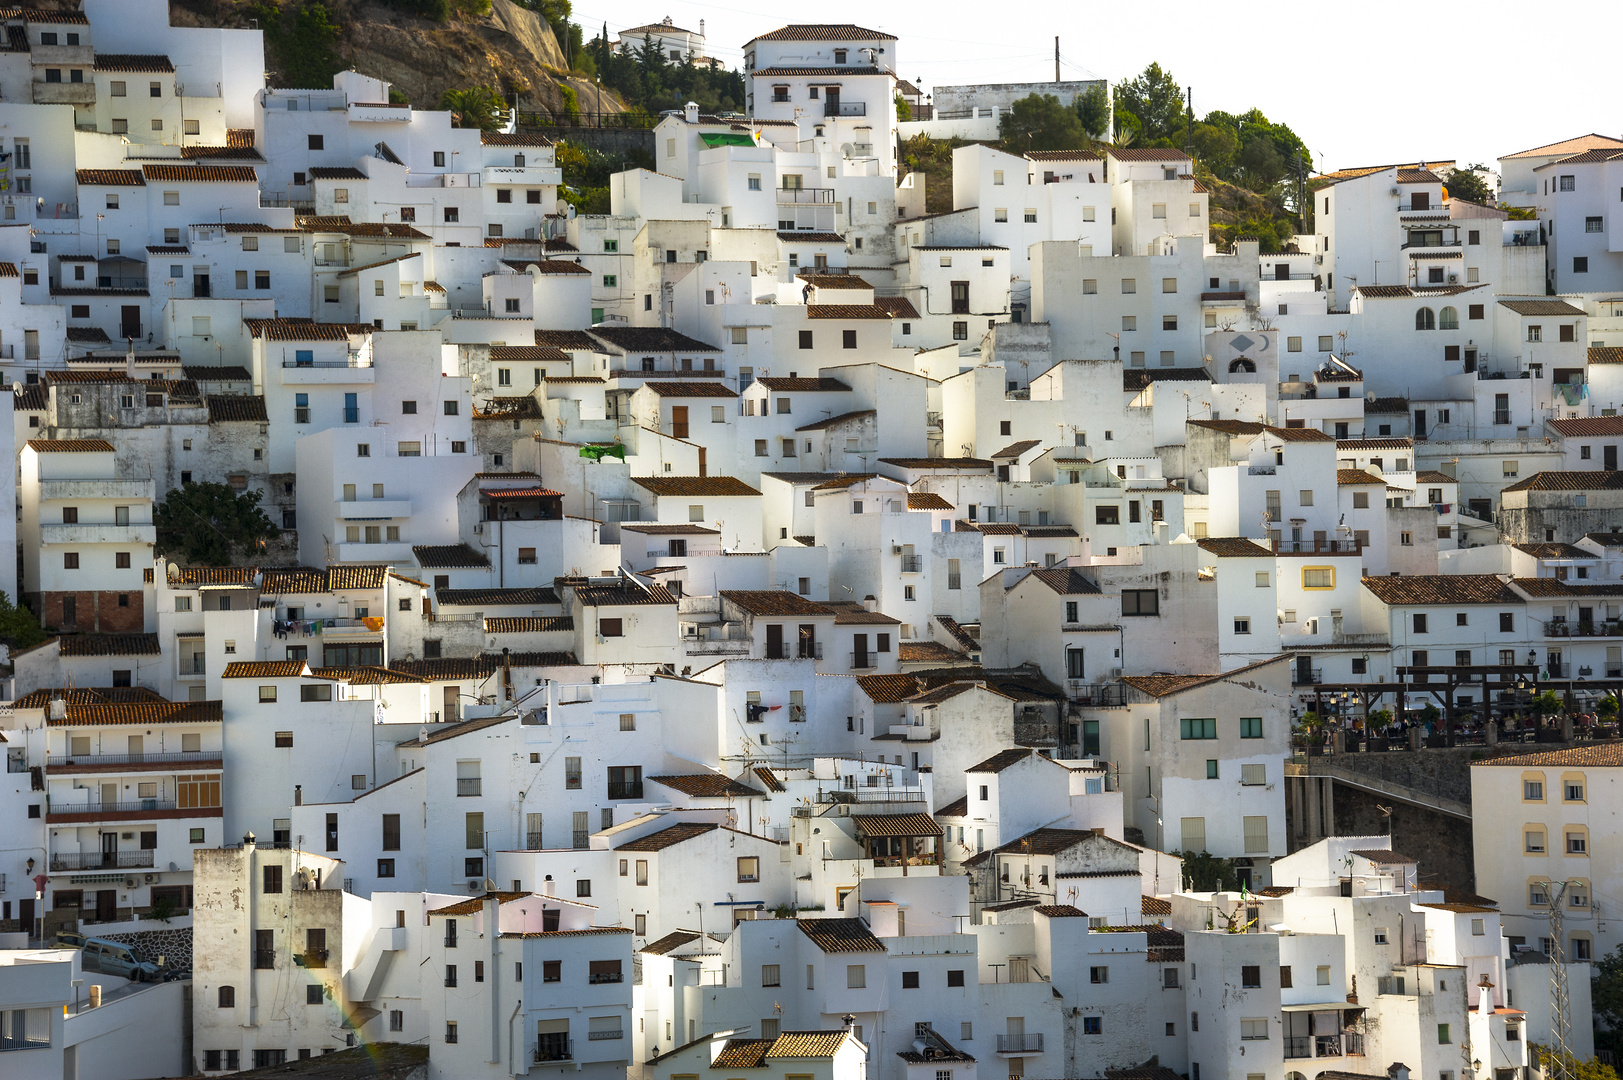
95	612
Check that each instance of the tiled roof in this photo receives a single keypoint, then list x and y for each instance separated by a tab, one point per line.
86	695
448	555
896	824
1060	911
476	904
832	281
1430	476
648	529
1383	855
32	397
201	174
773	602
212	575
294	580
646	339
227	153
1355	477
133	62
369	675
527	354
668	837
1576	145
623	596
1374	444
670	942
328	172
959	807
290	329
841	935
927	500
226	408
836	421
1556	551
217	373
714	486
110	177
1589	426
495	597
51	16
1237	547
846	311
964	638
145	712
824	32
954	463
851	613
833	72
1441	589
354	577
706	785
1594	756
1399	292
1164	685
900	307
807	1044
803	386
1014	450
1001	760
70	446
497	138
888	689
342	224
567	339
109	645
1066	581
530	624
812	237
521	407
88	335
1139	153
1541	307
1386	406
1151	905
264	669
1062	155
1418	176
928	652
696	389
742	1054
1586	480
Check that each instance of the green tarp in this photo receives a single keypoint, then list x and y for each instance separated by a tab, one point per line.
727	139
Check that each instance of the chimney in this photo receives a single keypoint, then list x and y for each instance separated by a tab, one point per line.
298	794
547	886
692	110
701	28
1397	1071
869	603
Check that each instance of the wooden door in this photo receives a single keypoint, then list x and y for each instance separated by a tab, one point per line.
679	421
106	905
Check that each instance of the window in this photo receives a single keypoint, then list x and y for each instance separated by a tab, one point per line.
749	869
1107	515
1198	728
1532	791
856	976
1242	625
1256	835
1533	840
318	692
1091	1025
1574	790
1442	1033
1098	975
272	879
284	739
1140	602
1580	264
1250	976
1253	1030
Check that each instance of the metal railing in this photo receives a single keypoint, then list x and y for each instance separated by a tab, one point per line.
805	195
264	959
532	841
352	362
209	759
912	564
1298	1046
809	650
862	661
1604	628
467	786
125	807
625	791
845	108
101	860
1020	1044
1327	1046
553	1050
605	977
1306	677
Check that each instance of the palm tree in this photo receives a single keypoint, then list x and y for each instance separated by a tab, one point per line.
475	107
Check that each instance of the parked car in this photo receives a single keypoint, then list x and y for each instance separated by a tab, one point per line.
116	958
70	939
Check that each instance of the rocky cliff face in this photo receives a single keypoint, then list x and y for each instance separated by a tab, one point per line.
511	49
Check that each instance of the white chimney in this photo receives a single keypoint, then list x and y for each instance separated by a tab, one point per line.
547	886
692	110
701	28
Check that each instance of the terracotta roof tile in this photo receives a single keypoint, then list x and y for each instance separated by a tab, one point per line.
1163	685
1594	756
670	942
227	408
1001	760
1586	480
1356	477
836	421
841	935
212	575
147	712
264	669
342	224
706	786
110	177
201	174
133	62
804	386
448	555
1234	548
888	689
109	645
1604	354
1541	307
520	138
1151	905
1441	589
742	1054
1066	581
812	237
627	595
846	311
495	597
226	153
956	464
824	32
70	446
527	354
668	837
773	602
1588	426
531	624
646	339
900	307
713	486
927	500
290	329
697	389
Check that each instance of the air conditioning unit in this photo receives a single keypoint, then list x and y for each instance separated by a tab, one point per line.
1395	192
1453	279
895	549
478	528
474	884
1115	673
150	878
129	883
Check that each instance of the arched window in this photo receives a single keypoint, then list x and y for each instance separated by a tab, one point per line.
1448	319
1242	364
228	997
1425	319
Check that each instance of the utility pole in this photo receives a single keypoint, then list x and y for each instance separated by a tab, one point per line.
1056	58
1560	1011
1189	124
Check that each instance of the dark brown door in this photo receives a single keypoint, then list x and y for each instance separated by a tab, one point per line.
679	421
960	298
200	284
859	650
106	905
1282	271
1608	457
774	642
25	915
130	321
704	466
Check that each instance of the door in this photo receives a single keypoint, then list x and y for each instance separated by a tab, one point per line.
679	421
831	97
1420	423
1282	271
106	905
25	915
774	642
130	321
109	795
1304	670
704	469
109	850
1019	971
1608	457
859	650
200	283
136	743
450	709
960	298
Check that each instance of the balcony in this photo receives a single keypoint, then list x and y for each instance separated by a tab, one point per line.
600	977
845	108
787	196
912	564
78	763
97	489
67	93
1501	416
1523	239
354	361
43	56
553	1048
1019	1044
1562	628
467	786
1307	676
127	806
1327	1046
625	791
1316	547
532	841
101	860
809	650
104	533
862	661
372	509
1261	470
1298	1046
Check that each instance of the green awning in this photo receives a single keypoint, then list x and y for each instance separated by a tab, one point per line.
727	139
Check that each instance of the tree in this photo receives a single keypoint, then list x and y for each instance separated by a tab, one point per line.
475	107
210	524
1040	122
1093	109
1157	100
1469	184
18	627
1215	147
1577	1068
1606	991
1546	704
904	111
1205	872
